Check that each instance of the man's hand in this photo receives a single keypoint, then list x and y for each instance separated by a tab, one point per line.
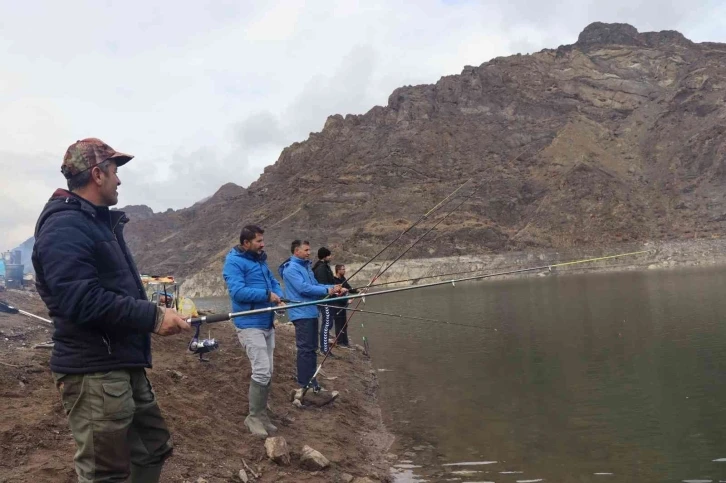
275	299
172	323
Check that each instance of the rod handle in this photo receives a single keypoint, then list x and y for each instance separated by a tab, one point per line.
209	319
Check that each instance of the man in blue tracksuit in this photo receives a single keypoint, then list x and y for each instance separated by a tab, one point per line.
301	286
251	286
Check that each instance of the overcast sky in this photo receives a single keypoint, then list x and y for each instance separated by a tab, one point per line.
210	92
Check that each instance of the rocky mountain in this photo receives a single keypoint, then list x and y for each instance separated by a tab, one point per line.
138	212
619	137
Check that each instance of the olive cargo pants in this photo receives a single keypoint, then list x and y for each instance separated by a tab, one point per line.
117	426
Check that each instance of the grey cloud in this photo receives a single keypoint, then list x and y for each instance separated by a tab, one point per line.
180	181
347	91
27	181
258	130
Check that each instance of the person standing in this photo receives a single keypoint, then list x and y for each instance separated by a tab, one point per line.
102	320
251	286
324	276
341	315
301	286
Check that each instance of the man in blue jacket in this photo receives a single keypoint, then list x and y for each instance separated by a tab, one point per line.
251	286
88	280
301	286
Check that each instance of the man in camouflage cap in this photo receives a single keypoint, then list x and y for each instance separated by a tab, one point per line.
86	276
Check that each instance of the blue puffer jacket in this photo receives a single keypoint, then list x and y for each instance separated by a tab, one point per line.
301	286
249	283
90	284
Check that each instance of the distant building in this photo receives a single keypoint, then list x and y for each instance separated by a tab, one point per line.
13	269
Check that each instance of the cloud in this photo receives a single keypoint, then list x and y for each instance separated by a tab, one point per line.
210	92
26	186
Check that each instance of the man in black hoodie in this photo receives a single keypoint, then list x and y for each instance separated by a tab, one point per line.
324	275
88	280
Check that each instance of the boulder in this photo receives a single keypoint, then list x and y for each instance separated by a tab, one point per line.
312	460
277	450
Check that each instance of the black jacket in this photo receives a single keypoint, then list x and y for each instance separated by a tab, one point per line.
90	284
323	273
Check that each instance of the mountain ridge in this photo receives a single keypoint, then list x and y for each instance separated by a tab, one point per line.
619	137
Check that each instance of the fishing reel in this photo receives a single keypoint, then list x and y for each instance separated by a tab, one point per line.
202	346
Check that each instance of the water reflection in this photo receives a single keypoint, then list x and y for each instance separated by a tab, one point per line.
581	378
605	377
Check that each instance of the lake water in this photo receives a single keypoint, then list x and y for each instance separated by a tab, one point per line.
582	378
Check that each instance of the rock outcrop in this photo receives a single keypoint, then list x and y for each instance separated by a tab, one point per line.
619	137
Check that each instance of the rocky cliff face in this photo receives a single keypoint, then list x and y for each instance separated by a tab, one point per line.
619	137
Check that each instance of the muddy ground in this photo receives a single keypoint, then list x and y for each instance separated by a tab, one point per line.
204	404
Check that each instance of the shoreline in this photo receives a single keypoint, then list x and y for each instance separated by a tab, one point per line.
662	255
204	405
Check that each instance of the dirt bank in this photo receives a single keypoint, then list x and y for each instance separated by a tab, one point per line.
204	404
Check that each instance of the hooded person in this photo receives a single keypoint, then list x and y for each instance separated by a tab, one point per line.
102	320
251	286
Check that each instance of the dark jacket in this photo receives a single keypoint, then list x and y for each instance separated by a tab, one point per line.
90	284
323	273
249	283
344	282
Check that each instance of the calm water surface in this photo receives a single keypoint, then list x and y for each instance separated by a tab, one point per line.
592	378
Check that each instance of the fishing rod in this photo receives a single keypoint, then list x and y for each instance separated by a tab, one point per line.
9	309
210	345
411	317
210	319
381	270
422	218
415	279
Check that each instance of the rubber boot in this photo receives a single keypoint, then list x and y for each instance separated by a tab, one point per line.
258	406
265	416
145	474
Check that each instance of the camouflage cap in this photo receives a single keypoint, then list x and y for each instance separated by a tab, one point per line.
87	153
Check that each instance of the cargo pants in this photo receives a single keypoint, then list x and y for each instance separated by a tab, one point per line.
117	425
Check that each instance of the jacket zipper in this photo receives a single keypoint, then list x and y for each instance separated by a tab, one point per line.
113	229
147	343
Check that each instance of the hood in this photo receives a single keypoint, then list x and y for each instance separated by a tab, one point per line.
238	251
282	267
64	200
292	259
